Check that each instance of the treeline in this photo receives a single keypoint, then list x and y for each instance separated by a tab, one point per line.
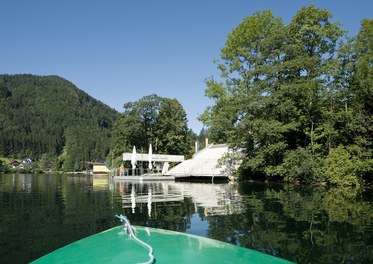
297	98
154	120
48	118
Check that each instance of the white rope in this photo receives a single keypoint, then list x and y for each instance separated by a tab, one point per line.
131	233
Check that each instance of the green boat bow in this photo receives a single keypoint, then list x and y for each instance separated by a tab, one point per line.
119	245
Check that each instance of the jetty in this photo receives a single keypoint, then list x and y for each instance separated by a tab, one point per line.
210	162
145	178
156	167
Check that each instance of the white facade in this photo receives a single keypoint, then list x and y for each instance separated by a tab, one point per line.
155	157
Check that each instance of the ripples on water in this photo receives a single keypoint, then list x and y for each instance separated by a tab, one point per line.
40	213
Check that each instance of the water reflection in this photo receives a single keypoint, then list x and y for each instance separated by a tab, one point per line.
100	183
215	199
39	213
20	182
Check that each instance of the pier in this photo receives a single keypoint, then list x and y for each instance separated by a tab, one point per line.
209	162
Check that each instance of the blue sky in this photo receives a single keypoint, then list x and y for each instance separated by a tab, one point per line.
119	50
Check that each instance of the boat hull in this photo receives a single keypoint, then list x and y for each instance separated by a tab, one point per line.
115	246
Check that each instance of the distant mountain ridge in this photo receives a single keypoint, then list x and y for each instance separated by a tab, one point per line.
50	116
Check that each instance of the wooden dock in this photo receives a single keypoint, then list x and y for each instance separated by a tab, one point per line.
145	178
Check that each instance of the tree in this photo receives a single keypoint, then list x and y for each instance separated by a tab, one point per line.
242	113
127	132
249	61
364	67
307	85
275	101
364	81
153	119
171	128
135	127
355	121
309	60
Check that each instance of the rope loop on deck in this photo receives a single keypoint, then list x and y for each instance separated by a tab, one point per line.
131	232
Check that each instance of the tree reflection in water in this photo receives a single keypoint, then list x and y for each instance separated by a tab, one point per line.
303	224
40	213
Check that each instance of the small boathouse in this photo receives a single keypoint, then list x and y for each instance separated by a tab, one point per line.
99	167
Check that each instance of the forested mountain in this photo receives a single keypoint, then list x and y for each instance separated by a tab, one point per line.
48	117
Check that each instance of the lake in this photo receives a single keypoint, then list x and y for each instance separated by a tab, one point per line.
40	213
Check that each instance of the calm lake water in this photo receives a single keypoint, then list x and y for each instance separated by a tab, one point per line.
40	213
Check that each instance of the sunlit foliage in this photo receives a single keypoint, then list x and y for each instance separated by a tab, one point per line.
292	95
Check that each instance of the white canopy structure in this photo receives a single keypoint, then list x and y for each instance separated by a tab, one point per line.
155	157
133	158
150	157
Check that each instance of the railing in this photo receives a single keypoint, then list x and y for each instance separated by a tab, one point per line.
130	172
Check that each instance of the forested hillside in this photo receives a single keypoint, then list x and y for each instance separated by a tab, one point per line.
48	117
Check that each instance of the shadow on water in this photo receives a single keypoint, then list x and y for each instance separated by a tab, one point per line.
40	213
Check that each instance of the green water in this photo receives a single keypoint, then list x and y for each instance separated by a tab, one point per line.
40	213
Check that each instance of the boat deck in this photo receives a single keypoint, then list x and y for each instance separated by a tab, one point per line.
115	246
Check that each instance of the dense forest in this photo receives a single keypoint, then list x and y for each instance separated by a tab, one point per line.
48	118
296	98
